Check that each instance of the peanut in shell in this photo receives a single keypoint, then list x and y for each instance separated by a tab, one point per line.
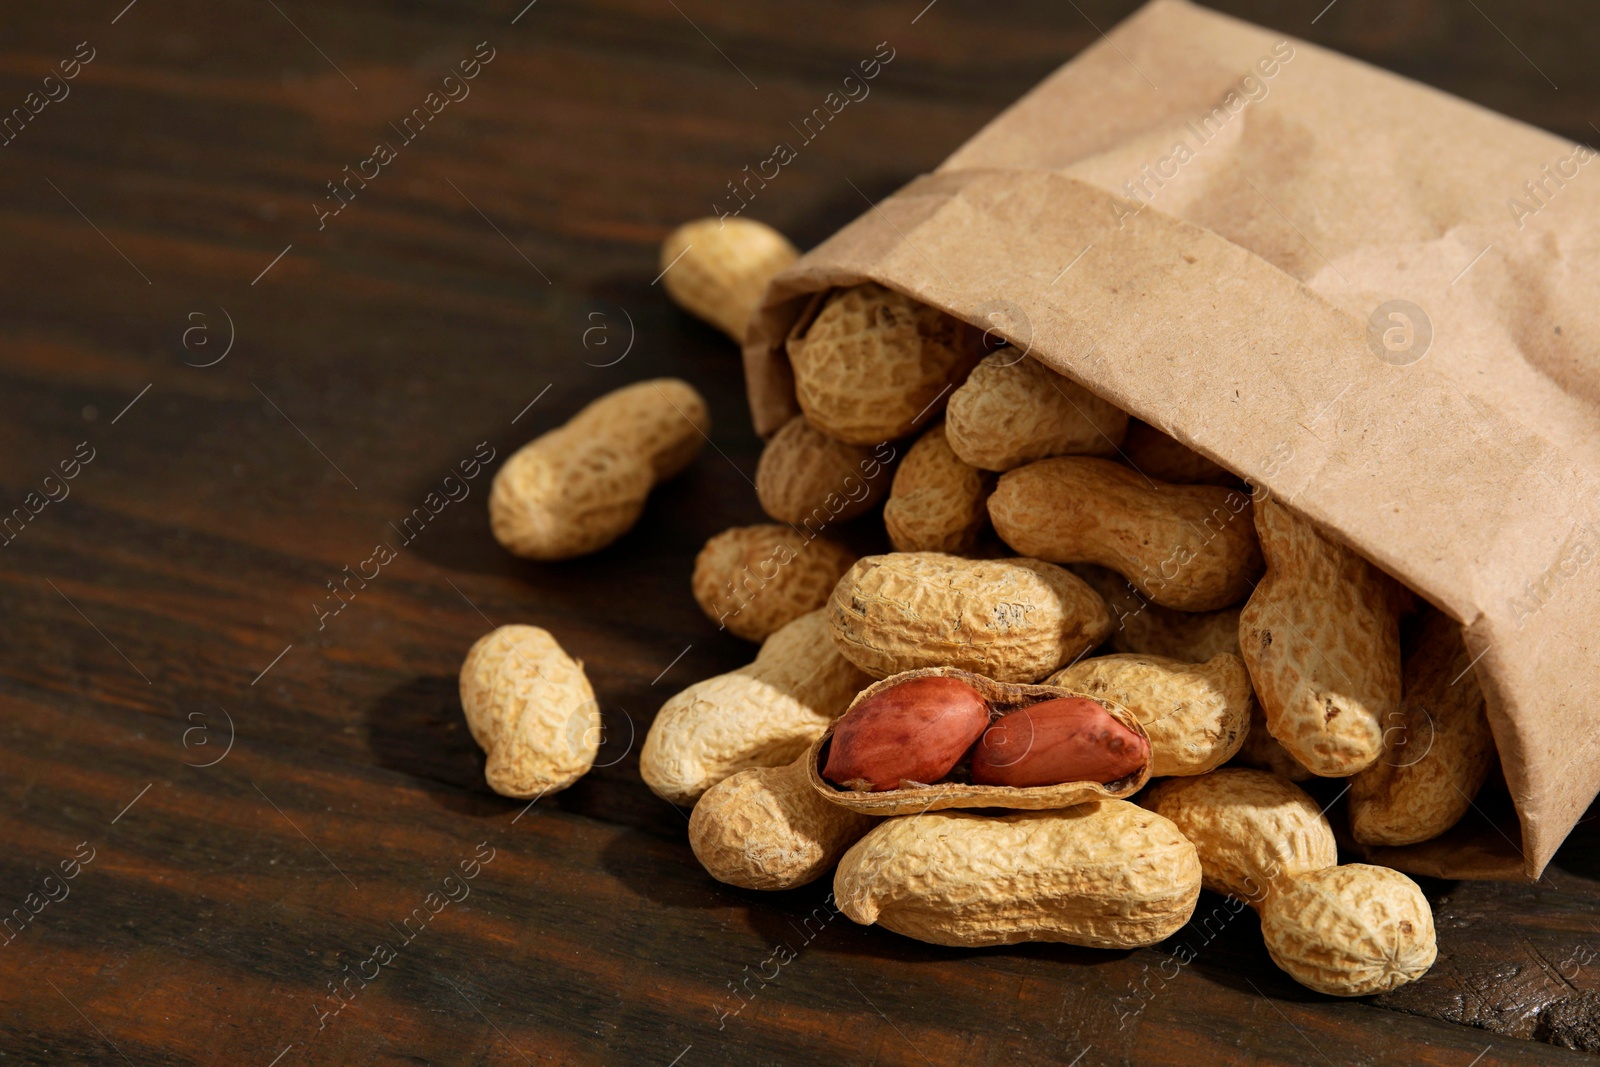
1012	409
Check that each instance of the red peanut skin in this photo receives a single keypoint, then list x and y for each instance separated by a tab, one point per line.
1069	739
912	732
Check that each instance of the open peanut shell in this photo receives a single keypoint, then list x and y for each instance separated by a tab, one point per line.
955	791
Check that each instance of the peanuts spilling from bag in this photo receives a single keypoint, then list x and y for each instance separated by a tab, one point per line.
1083	686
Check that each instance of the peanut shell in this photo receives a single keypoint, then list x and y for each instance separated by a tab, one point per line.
756	579
530	708
718	269
1321	636
579	487
1350	931
958	791
807	479
761	715
1137	625
1197	714
1190	547
1014	620
765	828
874	364
1437	748
1262	751
1254	831
937	503
1012	409
1103	875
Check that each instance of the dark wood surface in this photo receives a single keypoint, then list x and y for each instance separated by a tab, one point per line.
167	605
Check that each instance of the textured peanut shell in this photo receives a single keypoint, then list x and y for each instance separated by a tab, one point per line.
1149	450
1013	409
1350	931
756	579
1254	831
1437	750
1014	620
1197	714
718	269
1190	547
809	480
761	715
1262	751
1102	875
579	487
875	364
530	708
1321	636
937	503
957	791
765	828
1137	625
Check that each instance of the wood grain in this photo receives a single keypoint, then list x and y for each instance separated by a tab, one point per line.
173	591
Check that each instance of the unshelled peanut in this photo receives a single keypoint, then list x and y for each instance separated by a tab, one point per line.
530	708
755	579
1437	749
1197	714
1321	636
874	364
579	487
761	715
766	828
1190	547
1138	625
809	480
937	503
718	269
1103	875
1013	620
1012	409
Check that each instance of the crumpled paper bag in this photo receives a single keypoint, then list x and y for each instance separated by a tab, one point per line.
1375	300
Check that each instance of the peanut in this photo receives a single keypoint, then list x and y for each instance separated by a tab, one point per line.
1152	452
875	364
761	715
1196	714
807	479
1350	931
766	828
1262	751
718	269
1103	875
1437	748
1062	772
1321	636
1013	409
907	735
1140	626
1067	739
581	486
1011	620
757	579
530	708
1346	931
1184	546
937	502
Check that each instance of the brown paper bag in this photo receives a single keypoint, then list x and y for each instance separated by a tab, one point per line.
1375	300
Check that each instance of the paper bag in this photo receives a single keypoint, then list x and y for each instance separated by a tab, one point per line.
1375	300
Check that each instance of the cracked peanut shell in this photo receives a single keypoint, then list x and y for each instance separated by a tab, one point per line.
1102	875
1197	714
874	364
754	580
530	708
1012	409
1190	547
1013	620
1321	637
762	715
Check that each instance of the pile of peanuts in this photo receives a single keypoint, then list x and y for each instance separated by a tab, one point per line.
964	731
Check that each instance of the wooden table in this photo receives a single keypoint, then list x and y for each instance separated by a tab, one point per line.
254	792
